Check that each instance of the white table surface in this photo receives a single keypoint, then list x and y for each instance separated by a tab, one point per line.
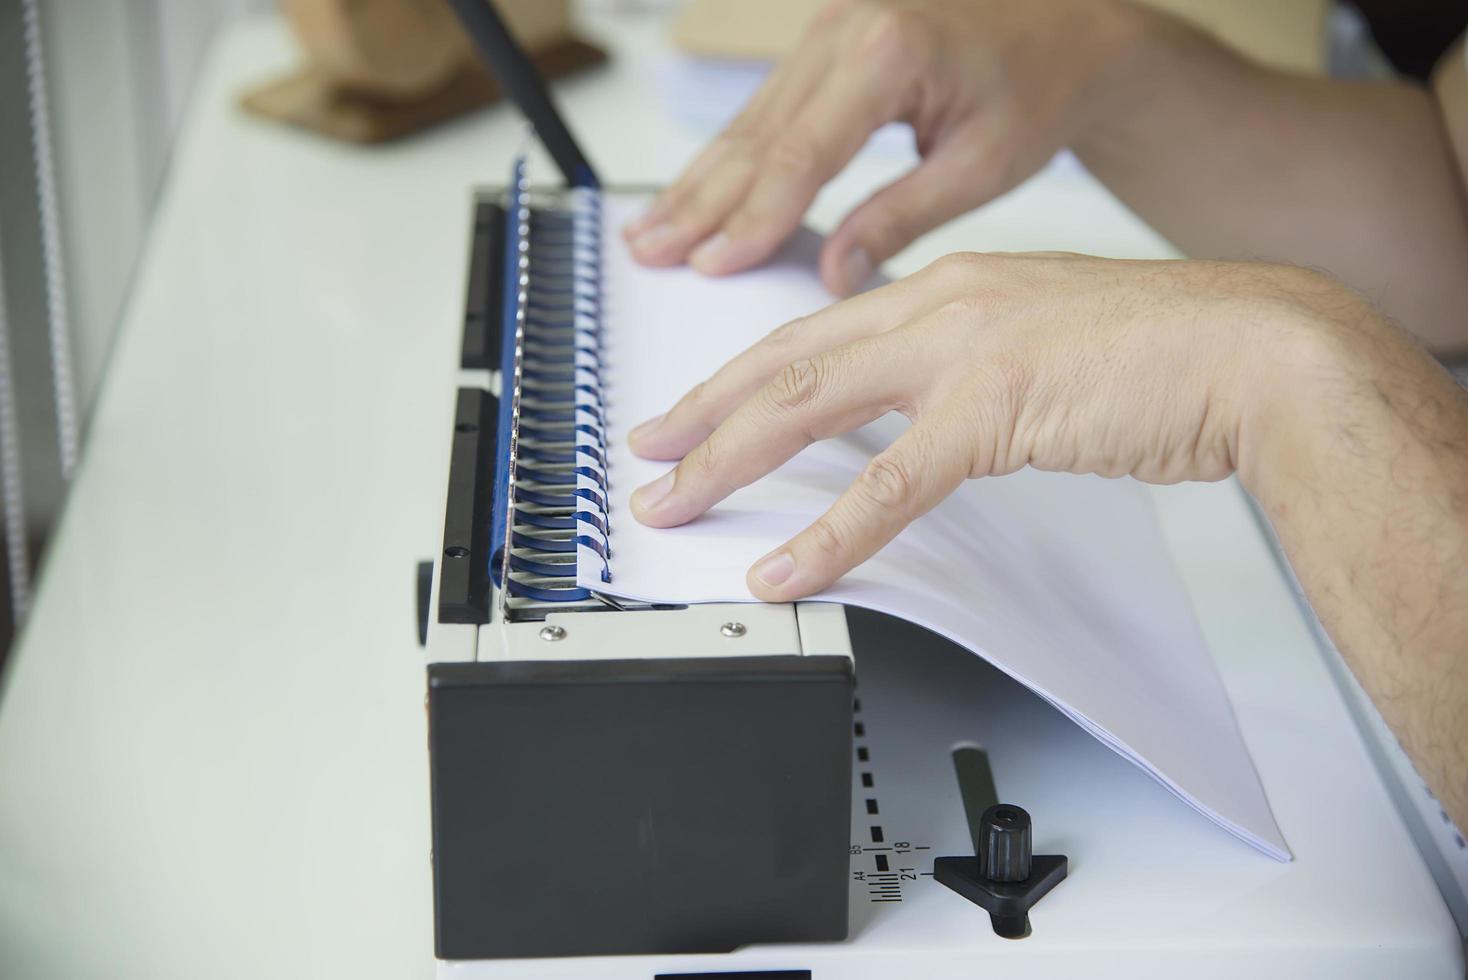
212	739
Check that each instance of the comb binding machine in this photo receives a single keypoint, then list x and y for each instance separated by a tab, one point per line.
606	777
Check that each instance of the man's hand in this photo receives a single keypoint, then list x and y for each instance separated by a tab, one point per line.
1224	157
1154	369
1354	441
991	88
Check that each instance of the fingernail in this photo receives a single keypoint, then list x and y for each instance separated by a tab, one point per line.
857	267
709	253
648	497
774	570
654	237
646	428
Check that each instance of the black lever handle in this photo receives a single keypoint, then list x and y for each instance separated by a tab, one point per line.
1004	878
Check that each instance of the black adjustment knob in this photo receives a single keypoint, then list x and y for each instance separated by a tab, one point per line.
1006	843
1004	878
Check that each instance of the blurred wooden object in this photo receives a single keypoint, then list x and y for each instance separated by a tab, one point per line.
378	70
1285	34
1288	34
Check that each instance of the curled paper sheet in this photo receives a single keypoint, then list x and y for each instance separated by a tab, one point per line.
1062	582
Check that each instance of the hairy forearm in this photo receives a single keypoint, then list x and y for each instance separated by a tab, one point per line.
1361	463
1232	160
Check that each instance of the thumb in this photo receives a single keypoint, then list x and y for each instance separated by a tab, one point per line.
938	189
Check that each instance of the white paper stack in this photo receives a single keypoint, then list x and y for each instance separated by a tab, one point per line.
1063	582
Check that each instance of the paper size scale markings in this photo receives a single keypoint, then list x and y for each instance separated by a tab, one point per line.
883	878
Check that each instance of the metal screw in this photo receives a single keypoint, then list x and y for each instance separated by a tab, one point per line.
733	629
552	633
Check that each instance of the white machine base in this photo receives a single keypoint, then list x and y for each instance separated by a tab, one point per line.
1155	889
